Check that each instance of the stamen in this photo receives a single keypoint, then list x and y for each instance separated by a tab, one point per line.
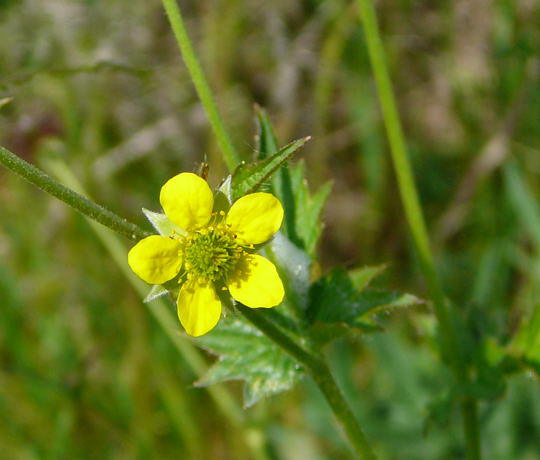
212	253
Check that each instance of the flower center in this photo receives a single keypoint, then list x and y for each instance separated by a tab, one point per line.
210	254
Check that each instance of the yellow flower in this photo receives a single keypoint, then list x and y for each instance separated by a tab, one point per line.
211	251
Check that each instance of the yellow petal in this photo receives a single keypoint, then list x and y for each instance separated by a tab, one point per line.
199	308
156	259
256	283
187	201
255	218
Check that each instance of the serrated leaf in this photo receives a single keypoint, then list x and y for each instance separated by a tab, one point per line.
156	291
335	299
266	139
281	181
361	277
248	178
302	210
246	354
395	300
161	223
323	333
308	214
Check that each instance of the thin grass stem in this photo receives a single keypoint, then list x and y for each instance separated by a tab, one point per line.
415	217
201	84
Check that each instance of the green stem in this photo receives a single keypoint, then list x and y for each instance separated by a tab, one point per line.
200	82
75	200
415	218
322	376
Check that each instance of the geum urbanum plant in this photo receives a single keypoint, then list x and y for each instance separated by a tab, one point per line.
206	255
211	251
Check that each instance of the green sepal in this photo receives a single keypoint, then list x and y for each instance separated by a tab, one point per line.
223	196
156	291
162	224
247	354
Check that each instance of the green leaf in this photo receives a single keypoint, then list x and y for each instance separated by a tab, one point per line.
335	299
302	209
246	354
526	342
361	277
295	268
248	178
323	333
161	223
266	139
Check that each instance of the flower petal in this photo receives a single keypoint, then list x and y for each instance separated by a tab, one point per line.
255	218
199	308
187	201
156	259
256	283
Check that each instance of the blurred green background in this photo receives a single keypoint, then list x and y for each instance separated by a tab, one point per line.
86	371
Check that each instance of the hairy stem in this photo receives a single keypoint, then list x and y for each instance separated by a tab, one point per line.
75	200
415	217
322	376
201	85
